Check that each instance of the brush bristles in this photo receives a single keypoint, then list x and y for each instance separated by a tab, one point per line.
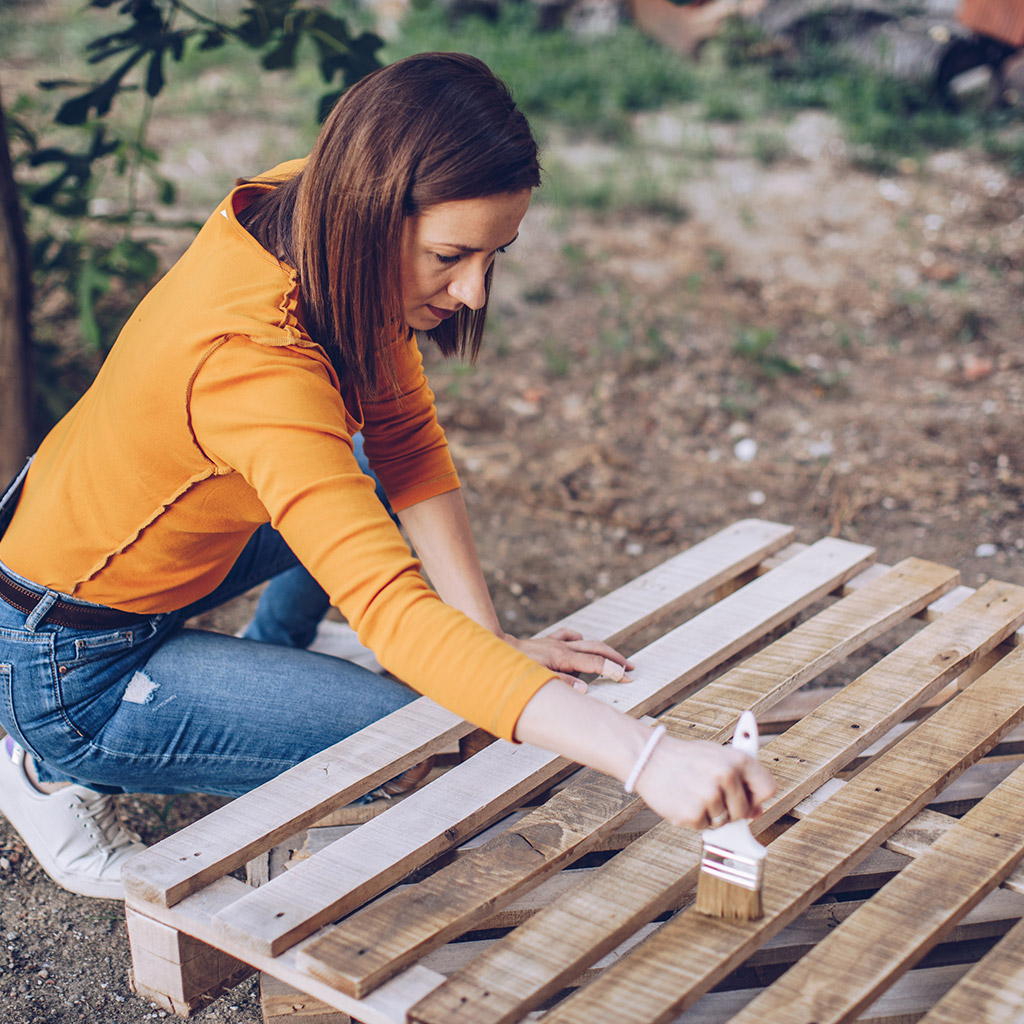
717	897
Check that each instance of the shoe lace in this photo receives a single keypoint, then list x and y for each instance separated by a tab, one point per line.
100	813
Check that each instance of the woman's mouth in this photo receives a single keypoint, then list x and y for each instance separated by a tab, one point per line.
441	314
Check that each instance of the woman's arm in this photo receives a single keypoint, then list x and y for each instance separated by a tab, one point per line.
685	781
442	538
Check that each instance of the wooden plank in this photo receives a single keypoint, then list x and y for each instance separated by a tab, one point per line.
665	590
921	831
194	916
178	971
546	952
993	916
904	1003
992	991
690	954
239	831
479	791
282	1004
899	924
377	942
254	823
871	873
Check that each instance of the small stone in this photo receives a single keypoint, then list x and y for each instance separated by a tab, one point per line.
756	498
978	367
745	449
943	272
985	550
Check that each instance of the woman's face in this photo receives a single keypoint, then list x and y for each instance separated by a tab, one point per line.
447	250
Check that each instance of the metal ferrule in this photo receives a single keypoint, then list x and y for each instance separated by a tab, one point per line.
732	867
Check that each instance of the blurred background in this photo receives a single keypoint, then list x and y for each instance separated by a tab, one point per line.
776	269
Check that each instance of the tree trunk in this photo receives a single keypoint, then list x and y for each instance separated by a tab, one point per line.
15	338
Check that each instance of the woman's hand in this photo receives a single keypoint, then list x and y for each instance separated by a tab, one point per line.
694	783
566	653
687	782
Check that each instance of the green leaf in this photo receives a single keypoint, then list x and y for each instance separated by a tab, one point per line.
76	110
92	282
212	39
60	83
282	55
155	74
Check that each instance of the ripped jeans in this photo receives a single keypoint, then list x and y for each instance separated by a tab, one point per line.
158	708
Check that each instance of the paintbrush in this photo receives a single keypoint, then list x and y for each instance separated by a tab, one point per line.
732	862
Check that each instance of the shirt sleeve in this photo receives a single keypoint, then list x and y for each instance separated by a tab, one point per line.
403	440
273	415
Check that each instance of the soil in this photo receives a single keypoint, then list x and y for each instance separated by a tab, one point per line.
803	341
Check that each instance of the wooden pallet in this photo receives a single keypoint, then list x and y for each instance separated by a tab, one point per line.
892	888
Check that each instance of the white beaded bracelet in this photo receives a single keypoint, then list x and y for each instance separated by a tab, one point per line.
645	756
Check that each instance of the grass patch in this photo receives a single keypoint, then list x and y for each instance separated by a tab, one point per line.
623	186
756	345
590	85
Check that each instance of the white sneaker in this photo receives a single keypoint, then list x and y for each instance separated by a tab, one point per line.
73	833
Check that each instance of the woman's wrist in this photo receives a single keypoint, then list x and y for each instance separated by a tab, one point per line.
629	785
584	729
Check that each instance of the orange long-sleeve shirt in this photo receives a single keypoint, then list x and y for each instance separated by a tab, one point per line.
214	413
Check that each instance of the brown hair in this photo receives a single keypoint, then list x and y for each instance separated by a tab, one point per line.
431	128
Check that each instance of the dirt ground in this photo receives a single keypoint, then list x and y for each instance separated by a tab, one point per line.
806	343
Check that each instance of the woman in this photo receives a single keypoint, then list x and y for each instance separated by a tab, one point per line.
215	450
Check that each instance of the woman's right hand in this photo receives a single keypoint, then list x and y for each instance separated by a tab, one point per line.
695	783
687	782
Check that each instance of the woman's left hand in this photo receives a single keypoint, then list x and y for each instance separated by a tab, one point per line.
565	652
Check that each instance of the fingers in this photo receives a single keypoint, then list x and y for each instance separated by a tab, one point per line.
613	670
574	682
598	648
565	652
735	796
742	792
716	819
601	651
723	784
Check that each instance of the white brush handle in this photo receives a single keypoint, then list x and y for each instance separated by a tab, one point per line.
736	835
744	739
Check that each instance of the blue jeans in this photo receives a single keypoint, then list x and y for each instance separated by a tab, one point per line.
158	708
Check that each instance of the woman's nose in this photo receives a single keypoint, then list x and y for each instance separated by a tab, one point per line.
470	288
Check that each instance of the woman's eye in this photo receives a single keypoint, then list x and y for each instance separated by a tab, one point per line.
447	259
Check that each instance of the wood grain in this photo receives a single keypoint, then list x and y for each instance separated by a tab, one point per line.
992	991
546	952
375	943
254	823
477	792
901	922
687	956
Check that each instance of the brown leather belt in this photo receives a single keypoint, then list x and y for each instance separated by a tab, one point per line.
66	613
